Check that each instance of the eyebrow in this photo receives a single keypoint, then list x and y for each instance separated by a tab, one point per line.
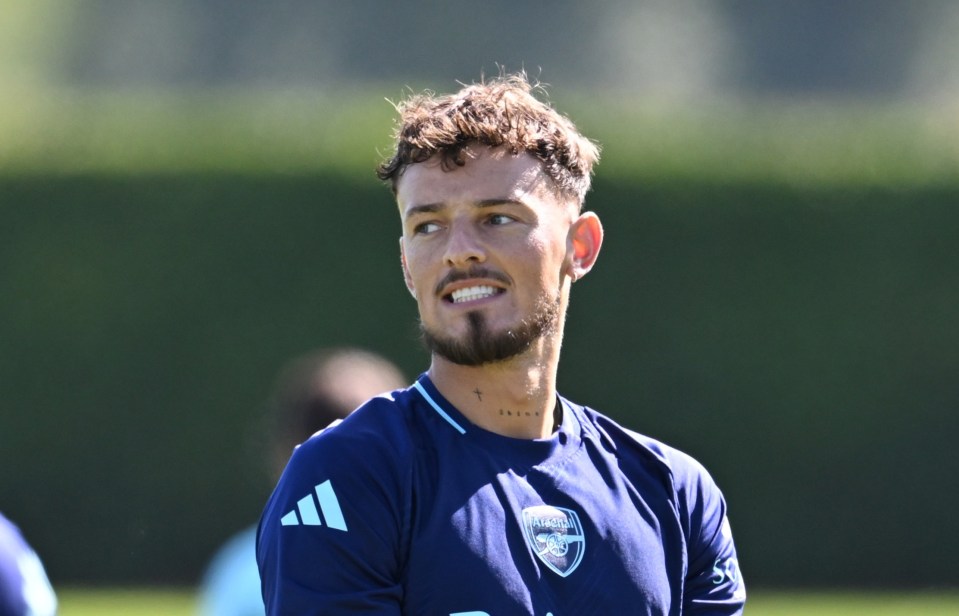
429	208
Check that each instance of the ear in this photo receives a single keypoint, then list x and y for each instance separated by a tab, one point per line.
406	270
585	240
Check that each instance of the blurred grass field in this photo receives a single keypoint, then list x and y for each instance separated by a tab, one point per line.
171	602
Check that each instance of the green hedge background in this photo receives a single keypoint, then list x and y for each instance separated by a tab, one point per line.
796	336
801	343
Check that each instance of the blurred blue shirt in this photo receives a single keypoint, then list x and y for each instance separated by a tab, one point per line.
24	587
231	585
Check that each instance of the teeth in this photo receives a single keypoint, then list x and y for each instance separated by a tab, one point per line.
470	293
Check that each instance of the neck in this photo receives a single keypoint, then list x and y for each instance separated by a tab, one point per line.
514	398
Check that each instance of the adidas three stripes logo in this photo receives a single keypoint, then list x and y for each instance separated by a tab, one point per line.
307	514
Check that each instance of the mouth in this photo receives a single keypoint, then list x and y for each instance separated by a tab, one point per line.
471	294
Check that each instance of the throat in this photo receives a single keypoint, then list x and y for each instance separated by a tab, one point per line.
506	402
531	424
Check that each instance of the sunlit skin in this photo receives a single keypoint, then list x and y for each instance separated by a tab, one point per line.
501	213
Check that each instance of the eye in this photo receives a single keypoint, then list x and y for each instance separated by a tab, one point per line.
425	228
500	219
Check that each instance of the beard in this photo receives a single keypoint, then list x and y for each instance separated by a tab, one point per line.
482	346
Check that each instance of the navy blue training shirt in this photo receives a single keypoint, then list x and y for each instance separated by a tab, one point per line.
405	507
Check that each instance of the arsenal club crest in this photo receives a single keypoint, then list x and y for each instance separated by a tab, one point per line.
555	536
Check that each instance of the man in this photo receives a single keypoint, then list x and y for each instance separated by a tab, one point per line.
24	587
311	392
479	490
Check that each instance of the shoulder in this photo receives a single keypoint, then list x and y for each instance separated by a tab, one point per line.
375	438
367	458
686	476
698	500
383	421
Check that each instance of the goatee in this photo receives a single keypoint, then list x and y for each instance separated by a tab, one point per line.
482	346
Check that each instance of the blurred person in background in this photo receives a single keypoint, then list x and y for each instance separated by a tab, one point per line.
24	587
479	490
311	392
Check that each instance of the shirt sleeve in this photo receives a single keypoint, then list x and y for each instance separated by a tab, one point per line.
714	583
330	540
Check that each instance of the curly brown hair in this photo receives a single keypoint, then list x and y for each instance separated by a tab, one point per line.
500	112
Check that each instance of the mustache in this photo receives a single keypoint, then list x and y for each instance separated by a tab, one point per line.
475	271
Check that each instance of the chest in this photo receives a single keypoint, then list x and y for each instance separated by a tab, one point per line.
581	537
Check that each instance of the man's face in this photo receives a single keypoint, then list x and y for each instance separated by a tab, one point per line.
485	250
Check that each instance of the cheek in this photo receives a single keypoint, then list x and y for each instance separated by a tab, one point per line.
419	272
550	253
540	245
545	262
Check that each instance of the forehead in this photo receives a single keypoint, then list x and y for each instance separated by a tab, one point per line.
488	174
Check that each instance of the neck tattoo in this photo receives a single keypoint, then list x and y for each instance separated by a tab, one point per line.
557	414
479	394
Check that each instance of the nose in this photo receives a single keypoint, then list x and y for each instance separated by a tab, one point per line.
463	247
